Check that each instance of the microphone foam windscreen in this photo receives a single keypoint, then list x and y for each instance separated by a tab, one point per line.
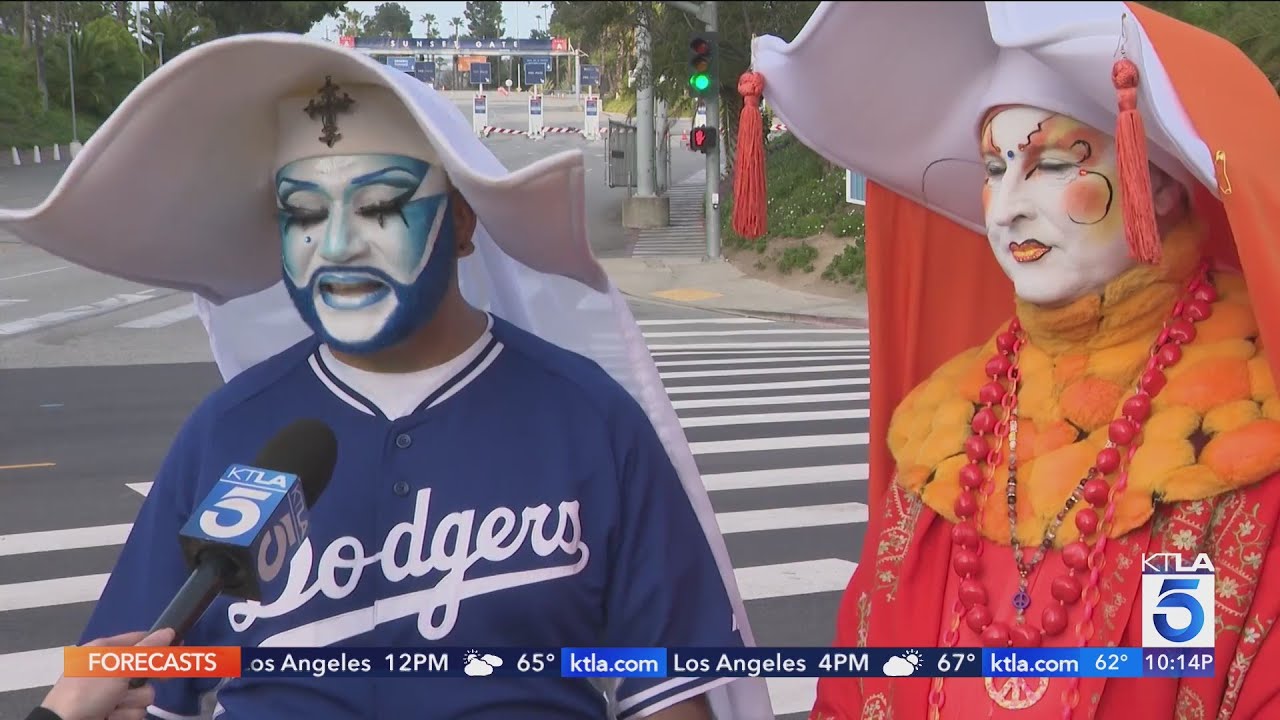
306	448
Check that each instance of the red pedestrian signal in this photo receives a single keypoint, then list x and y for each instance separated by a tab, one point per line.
702	139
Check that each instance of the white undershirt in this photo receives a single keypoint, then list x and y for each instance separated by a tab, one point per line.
399	394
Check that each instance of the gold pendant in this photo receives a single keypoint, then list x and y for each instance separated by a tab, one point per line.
1017	693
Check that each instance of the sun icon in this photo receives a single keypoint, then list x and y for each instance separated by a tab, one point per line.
912	657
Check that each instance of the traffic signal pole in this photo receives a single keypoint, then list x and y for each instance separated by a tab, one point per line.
713	158
706	12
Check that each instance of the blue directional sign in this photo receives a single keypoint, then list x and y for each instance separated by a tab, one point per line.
425	71
591	75
403	63
534	74
480	73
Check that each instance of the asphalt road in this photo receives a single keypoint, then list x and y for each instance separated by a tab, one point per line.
97	374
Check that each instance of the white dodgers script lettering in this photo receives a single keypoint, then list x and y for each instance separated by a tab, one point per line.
455	546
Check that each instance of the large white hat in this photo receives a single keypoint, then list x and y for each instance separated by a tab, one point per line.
175	190
903	87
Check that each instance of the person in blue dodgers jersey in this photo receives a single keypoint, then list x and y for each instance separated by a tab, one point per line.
510	473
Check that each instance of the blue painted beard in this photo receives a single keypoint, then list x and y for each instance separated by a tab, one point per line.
416	303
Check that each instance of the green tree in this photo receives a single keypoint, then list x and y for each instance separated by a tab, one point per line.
172	30
429	19
106	62
484	18
390	19
350	22
237	18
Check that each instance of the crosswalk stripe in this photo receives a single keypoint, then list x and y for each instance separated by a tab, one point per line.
798	370
705	321
792	517
752	479
730	333
738	351
783	385
74	539
161	319
792	695
763	345
795	442
762	418
47	593
30	669
760	360
769	400
762	582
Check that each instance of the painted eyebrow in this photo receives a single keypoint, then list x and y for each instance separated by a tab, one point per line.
406	179
288	186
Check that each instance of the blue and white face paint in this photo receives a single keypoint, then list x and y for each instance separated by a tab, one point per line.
368	244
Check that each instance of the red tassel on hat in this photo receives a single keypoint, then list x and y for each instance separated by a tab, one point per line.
750	203
1140	229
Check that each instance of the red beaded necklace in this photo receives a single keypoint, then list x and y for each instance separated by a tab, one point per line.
1083	556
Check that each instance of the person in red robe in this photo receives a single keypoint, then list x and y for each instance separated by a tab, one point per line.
1074	299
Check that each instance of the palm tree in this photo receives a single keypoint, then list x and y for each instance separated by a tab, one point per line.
429	20
457	25
172	31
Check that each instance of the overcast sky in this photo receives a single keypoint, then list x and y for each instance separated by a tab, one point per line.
520	17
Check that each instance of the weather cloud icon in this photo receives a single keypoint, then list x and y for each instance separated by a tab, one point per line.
902	665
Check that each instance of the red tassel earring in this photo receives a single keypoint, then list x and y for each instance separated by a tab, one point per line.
750	201
1140	229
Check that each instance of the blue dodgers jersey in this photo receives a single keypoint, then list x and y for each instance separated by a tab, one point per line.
527	503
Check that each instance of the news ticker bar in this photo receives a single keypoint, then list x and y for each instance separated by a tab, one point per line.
355	662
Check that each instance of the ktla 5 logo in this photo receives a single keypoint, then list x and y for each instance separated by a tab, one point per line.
262	511
1178	602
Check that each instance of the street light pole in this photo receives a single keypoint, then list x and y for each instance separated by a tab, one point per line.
71	77
160	46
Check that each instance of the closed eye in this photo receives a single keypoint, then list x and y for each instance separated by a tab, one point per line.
380	210
302	217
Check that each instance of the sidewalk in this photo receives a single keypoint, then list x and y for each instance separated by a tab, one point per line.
718	285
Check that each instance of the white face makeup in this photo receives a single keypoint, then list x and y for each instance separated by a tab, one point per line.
357	232
1052	204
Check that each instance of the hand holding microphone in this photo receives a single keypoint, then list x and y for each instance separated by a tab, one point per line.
79	698
241	536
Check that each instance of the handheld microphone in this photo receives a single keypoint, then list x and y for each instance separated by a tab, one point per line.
242	534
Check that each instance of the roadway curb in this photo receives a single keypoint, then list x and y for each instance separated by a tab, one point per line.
854	323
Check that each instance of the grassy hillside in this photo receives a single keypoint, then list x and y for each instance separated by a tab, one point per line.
811	227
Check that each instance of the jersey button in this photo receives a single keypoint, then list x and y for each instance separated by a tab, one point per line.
403	441
401	488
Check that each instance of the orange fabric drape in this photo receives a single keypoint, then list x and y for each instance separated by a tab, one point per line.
933	290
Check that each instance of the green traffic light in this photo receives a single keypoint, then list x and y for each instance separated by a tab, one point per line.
700	82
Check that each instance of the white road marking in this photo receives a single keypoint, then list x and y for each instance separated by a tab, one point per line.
162	319
778	443
33	274
706	321
737	372
789	518
753	387
762	418
76	313
770	400
798	578
71	539
784	477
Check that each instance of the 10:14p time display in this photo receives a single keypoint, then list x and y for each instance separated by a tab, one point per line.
1177	662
